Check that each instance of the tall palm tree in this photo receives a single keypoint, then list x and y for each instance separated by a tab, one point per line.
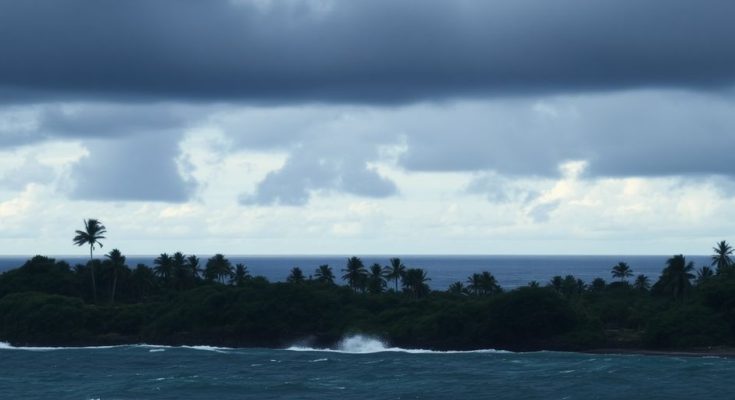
179	270
488	283
414	281
241	275
676	277
474	284
376	282
218	268
91	235
355	273
192	262
394	271
721	259
622	271
482	284
163	268
117	263
324	274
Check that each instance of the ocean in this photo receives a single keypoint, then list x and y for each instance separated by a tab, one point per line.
510	271
360	368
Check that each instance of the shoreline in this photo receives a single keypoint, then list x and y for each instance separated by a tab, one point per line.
721	352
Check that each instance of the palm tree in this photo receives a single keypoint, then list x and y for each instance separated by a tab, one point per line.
117	263
488	283
91	235
474	284
241	275
296	276
721	259
355	273
598	285
163	268
375	281
192	262
622	271
642	283
179	270
557	282
324	274
414	282
394	271
218	268
704	274
675	278
457	288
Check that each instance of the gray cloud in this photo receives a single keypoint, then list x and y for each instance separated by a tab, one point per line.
133	147
138	168
20	125
642	133
358	51
293	184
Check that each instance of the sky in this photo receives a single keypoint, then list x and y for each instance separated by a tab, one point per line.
368	126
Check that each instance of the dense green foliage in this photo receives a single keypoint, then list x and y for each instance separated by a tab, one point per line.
47	302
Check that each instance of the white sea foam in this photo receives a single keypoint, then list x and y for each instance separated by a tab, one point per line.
152	347
209	348
362	344
8	346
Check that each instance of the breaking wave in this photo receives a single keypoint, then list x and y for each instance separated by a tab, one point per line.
362	344
8	346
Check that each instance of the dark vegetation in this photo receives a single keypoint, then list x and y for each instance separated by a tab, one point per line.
183	300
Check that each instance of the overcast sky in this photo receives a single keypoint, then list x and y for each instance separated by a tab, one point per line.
368	126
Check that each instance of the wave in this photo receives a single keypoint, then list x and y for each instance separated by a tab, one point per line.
8	346
362	344
356	344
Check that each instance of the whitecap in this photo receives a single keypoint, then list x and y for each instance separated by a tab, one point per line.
8	346
362	344
209	348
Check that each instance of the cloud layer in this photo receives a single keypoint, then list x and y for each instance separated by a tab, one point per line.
375	51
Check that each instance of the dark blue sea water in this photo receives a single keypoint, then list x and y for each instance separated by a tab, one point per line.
360	369
511	271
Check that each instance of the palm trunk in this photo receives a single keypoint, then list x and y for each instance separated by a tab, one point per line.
94	282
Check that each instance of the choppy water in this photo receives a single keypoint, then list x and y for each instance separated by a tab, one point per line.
510	271
360	369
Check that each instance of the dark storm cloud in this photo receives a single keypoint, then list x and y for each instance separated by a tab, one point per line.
358	51
21	125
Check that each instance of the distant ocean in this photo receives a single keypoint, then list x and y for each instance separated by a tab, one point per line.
360	368
510	271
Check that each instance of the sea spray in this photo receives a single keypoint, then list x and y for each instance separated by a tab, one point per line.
365	344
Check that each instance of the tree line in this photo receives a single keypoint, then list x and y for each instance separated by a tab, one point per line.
184	300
